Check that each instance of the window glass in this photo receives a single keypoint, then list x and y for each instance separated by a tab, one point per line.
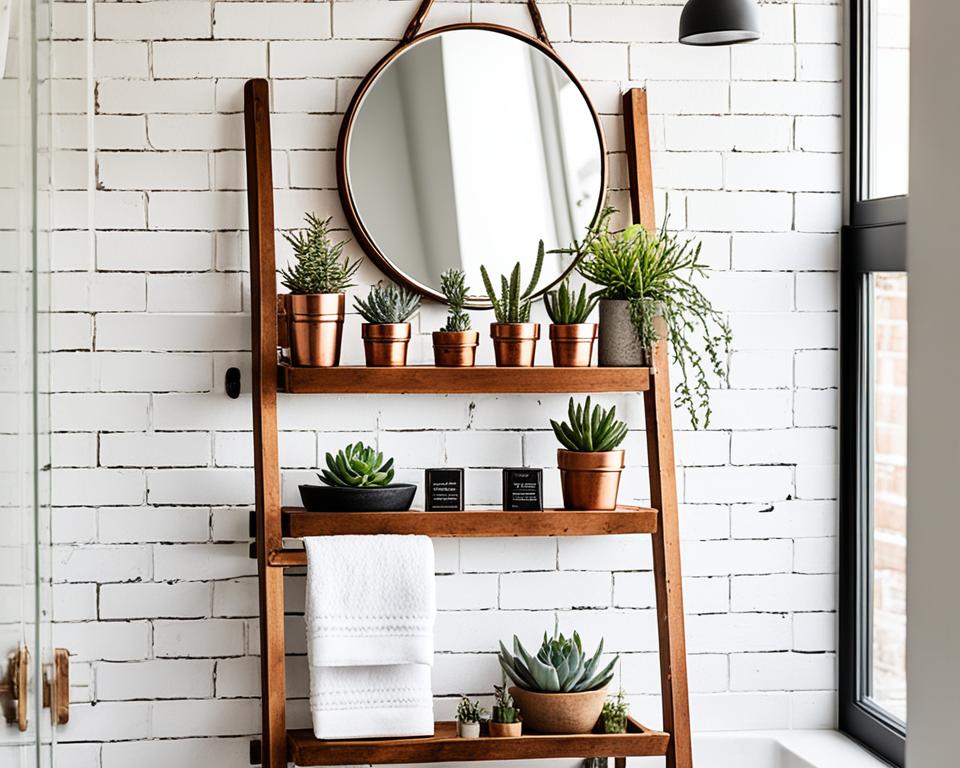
889	97
887	681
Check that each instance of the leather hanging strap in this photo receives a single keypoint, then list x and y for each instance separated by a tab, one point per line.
421	15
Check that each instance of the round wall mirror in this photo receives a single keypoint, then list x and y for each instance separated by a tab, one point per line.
467	146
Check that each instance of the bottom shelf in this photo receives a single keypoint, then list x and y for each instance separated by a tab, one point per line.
444	746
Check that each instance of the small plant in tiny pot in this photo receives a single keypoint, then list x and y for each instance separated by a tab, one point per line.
649	292
505	718
514	336
560	689
317	283
469	715
455	345
614	713
590	462
386	334
571	336
357	479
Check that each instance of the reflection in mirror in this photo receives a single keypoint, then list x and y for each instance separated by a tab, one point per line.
470	147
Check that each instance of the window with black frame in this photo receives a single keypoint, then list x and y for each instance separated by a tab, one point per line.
874	383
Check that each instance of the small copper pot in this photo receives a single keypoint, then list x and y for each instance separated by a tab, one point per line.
514	344
385	344
590	480
316	328
572	345
455	349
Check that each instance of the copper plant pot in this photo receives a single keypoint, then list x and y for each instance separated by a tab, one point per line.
560	712
590	479
572	345
385	344
316	328
455	349
514	344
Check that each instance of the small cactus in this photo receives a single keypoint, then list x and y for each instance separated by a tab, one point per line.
589	431
512	306
387	304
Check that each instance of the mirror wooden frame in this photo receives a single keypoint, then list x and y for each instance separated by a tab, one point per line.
411	38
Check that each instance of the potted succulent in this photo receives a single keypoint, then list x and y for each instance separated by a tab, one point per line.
455	345
571	336
590	462
469	715
505	718
614	713
514	336
357	479
317	284
386	334
648	275
560	689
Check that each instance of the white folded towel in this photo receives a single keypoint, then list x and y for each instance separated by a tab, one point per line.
371	702
371	600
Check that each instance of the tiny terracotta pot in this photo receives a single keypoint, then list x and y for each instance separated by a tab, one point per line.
572	345
514	344
315	328
455	349
590	480
560	712
505	729
468	730
385	345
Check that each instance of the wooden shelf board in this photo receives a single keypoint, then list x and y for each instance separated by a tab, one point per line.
480	379
444	746
298	522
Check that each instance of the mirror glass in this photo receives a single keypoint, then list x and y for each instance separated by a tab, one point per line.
469	147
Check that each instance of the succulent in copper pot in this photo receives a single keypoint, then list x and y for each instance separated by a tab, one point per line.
386	334
514	336
455	345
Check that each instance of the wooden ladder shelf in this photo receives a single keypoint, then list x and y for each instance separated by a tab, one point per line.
274	522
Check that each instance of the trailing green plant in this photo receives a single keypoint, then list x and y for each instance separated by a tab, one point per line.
358	466
319	267
566	307
387	304
656	272
454	288
470	711
614	713
594	431
512	305
560	666
504	708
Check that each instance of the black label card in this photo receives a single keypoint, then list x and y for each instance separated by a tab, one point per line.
522	489
444	489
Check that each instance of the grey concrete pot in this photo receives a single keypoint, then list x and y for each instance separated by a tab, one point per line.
618	343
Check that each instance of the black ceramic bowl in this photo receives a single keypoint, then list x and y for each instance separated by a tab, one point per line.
327	498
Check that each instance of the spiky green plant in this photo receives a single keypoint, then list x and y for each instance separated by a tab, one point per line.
504	708
470	711
566	307
454	288
656	273
319	267
593	431
357	466
614	713
512	305
387	304
560	666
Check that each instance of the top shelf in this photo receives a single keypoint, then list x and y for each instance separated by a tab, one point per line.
429	380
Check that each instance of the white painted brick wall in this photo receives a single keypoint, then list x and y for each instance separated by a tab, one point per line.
154	593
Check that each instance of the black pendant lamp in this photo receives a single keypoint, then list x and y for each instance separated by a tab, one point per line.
719	22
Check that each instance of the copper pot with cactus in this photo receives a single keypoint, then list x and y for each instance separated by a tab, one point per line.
455	345
590	462
560	688
505	716
514	336
317	283
571	336
386	332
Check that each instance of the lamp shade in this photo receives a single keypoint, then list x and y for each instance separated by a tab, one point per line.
719	22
